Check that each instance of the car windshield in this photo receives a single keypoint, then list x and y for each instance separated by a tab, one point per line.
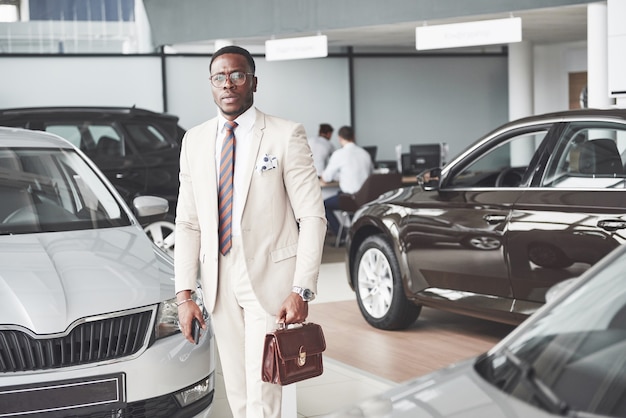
570	360
45	190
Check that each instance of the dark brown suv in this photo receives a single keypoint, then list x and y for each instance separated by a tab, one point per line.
137	149
534	202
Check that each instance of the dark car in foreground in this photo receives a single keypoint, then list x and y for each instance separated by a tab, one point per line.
568	359
534	202
88	319
136	149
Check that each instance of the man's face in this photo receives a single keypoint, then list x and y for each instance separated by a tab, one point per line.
233	100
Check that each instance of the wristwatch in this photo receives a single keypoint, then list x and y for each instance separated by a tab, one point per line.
305	294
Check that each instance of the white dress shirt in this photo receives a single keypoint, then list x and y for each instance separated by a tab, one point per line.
350	165
322	149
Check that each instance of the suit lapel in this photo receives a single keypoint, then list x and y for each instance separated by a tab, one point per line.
259	126
207	157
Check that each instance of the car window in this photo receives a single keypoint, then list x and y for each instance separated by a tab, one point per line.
101	140
147	137
69	132
588	156
504	165
53	190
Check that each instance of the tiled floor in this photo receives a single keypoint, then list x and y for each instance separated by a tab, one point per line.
340	384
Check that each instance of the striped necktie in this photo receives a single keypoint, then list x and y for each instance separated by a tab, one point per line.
225	190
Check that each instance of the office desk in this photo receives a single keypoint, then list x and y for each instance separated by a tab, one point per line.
330	189
409	180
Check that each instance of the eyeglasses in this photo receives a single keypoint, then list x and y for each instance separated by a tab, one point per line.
238	78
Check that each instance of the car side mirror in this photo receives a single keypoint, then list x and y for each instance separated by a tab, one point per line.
429	179
150	209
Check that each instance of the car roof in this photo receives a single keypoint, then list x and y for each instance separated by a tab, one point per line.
17	137
613	113
78	110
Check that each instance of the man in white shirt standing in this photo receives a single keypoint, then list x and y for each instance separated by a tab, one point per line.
321	147
350	165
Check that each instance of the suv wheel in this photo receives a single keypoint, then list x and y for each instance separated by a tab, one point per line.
162	234
379	289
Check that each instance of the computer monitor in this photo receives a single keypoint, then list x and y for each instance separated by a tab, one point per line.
371	149
424	157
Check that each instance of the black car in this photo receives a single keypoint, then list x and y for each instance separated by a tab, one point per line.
534	202
137	149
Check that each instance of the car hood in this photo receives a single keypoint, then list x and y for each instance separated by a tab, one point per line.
454	392
49	280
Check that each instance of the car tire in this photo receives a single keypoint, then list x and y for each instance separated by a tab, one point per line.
379	289
162	234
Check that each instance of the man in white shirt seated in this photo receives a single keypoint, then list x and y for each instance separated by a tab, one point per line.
321	147
350	166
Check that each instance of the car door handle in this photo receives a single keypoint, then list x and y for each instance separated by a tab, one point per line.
494	219
612	224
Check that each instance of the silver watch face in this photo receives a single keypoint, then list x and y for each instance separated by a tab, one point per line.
307	294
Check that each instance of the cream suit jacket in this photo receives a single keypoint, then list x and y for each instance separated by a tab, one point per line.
283	224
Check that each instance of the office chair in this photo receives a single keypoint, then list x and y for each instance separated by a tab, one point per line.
375	185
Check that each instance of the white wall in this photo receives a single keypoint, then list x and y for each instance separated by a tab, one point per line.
67	80
307	91
553	63
424	100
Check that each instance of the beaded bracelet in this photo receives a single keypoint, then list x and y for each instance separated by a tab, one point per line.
183	301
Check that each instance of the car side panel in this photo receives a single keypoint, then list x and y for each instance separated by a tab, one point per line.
556	234
456	242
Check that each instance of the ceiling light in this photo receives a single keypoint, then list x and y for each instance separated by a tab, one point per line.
456	35
296	48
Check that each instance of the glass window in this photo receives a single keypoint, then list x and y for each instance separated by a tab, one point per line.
101	140
503	165
53	190
69	132
9	10
147	137
588	156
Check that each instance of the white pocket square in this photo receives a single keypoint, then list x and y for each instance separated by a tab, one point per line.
266	162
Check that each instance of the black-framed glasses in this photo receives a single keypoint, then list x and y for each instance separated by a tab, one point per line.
238	78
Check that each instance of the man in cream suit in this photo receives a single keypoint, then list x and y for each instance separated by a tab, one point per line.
264	268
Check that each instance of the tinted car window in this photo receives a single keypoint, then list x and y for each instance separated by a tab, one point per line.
94	139
147	137
47	191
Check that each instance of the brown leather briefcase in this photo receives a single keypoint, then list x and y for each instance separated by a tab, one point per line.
293	354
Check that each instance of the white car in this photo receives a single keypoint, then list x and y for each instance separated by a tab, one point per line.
88	321
567	359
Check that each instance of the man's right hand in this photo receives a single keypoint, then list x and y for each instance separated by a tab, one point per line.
187	311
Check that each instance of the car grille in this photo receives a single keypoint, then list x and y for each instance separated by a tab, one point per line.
91	341
161	407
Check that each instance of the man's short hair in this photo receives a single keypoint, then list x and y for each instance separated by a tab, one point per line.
325	128
347	133
233	49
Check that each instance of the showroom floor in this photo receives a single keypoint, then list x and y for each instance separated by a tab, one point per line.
350	372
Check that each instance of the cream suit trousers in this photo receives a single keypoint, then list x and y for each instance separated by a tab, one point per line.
240	325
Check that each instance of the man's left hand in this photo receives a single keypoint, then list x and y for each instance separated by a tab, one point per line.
293	311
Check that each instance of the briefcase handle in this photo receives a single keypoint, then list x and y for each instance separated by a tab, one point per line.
282	325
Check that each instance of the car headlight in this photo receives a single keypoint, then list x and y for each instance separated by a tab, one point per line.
196	392
167	322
